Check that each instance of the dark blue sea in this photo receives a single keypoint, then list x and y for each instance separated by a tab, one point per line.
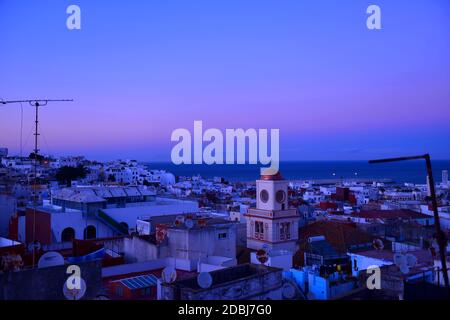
398	172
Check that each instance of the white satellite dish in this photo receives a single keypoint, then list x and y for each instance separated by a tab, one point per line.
411	260
404	269
288	290
75	294
169	274
204	280
404	262
262	256
50	259
378	244
399	259
179	219
189	223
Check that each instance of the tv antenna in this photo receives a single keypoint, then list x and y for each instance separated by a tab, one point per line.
440	235
36	103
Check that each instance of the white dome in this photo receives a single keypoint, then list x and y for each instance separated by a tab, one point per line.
167	179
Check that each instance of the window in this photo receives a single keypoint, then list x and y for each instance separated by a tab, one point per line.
90	232
119	291
259	230
67	235
264	196
285	231
222	235
280	196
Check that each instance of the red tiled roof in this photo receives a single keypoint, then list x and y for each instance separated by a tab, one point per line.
390	214
340	235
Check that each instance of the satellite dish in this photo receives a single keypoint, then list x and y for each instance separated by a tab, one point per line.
288	290
169	274
74	294
50	259
411	260
179	220
204	280
378	244
399	259
262	256
189	223
404	269
404	262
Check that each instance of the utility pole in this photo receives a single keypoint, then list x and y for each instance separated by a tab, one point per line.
36	103
440	235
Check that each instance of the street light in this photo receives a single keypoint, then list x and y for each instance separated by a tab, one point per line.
441	238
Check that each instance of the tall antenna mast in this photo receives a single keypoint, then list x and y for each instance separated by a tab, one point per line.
36	103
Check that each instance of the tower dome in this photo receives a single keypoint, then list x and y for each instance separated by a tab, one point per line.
272	177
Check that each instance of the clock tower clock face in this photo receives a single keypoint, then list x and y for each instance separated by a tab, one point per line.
280	196
264	195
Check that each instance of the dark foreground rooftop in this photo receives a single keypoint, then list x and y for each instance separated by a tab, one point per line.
228	275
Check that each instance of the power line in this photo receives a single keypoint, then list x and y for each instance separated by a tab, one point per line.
21	128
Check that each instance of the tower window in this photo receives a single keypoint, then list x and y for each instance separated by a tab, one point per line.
222	235
264	196
280	196
259	230
285	231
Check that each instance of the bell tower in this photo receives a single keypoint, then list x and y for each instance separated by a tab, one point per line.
272	222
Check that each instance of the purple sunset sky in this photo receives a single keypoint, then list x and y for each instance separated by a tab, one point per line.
140	69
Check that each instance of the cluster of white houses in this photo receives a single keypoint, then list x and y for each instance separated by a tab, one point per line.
152	233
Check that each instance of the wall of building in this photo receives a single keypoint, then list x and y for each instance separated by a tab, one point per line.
257	287
47	283
213	263
271	187
38	227
404	247
282	261
194	244
363	262
138	250
75	220
317	287
134	267
8	207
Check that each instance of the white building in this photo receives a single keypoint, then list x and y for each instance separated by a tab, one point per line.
444	177
204	243
3	152
129	214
